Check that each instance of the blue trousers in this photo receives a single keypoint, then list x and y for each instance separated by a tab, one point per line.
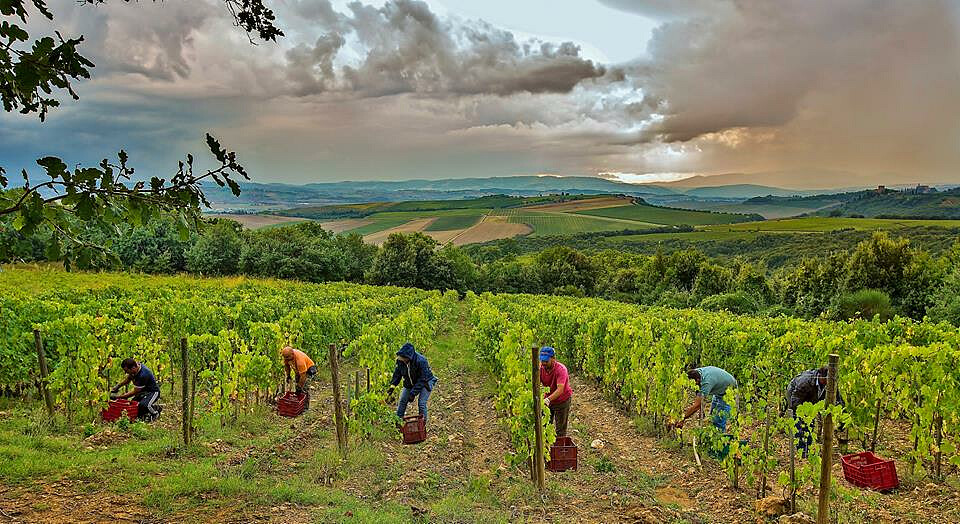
406	397
720	413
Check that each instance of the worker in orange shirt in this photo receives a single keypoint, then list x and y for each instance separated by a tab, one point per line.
304	369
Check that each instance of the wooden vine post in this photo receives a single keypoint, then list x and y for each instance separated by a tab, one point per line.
185	387
826	458
337	406
793	461
368	380
42	357
537	418
876	420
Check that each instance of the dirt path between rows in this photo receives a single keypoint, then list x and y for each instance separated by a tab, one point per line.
677	489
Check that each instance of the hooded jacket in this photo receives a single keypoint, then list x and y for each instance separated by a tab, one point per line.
415	373
806	387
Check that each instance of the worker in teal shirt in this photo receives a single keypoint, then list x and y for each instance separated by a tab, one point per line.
714	382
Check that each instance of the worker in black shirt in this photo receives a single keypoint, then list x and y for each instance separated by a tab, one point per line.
809	386
145	389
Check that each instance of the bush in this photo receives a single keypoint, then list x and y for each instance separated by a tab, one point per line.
866	304
946	301
740	303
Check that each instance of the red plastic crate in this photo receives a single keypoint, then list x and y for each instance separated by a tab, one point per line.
414	429
867	470
563	455
291	404
118	408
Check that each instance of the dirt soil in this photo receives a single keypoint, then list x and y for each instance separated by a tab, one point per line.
410	227
491	228
339	226
67	501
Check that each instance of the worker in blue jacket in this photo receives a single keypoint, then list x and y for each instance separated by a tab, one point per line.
418	381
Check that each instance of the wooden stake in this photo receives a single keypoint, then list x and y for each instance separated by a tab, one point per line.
876	421
185	401
537	418
826	458
368	380
696	455
47	399
337	406
766	450
793	460
938	435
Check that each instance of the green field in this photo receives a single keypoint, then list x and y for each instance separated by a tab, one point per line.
820	224
548	224
426	206
664	216
379	224
453	222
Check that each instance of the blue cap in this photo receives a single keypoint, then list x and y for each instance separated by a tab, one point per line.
546	353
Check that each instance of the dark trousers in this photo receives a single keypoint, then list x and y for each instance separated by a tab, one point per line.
147	409
305	388
560	415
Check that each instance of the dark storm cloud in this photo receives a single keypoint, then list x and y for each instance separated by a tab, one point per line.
753	63
406	48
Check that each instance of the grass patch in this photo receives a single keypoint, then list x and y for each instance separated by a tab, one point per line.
822	224
378	225
453	222
551	224
663	215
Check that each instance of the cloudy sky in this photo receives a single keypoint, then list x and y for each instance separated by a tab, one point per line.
803	93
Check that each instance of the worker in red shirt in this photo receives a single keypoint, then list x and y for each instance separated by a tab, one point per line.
304	369
554	376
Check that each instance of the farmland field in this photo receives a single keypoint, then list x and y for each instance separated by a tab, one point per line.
547	224
375	225
411	226
452	222
490	228
820	224
664	216
258	221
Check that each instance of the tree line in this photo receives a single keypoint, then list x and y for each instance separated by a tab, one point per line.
881	275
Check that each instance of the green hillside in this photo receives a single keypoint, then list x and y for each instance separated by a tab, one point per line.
667	216
365	210
872	204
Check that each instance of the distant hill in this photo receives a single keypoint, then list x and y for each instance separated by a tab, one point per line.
525	183
280	196
744	191
807	179
890	204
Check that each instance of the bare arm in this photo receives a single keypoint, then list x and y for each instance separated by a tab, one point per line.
122	383
130	393
561	386
695	407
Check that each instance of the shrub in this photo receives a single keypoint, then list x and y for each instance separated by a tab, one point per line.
866	304
740	303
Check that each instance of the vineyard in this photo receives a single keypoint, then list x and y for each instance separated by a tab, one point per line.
898	370
900	380
233	329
